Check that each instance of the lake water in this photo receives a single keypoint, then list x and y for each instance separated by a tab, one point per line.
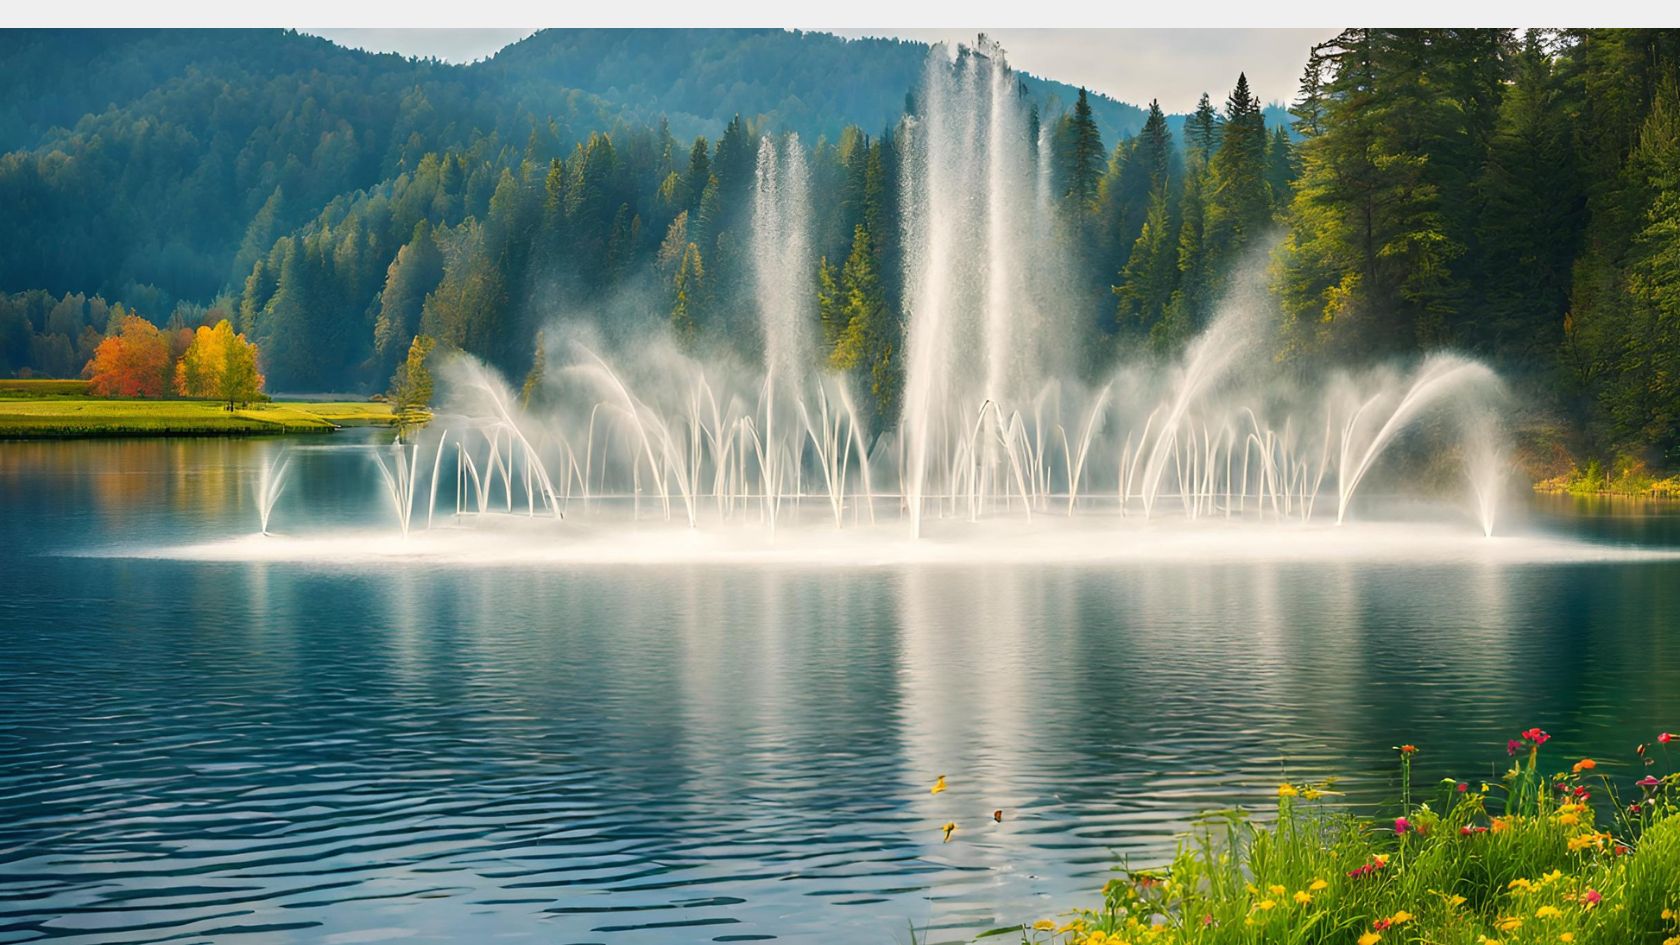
291	751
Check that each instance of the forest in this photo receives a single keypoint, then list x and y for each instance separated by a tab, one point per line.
1511	194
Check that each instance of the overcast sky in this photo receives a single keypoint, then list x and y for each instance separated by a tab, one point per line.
1174	65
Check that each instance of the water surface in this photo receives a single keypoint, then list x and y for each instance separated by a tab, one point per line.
273	752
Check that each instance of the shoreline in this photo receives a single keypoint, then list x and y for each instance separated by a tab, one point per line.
75	416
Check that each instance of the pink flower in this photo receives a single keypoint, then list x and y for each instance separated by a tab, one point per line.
1648	782
1592	898
1401	825
1511	747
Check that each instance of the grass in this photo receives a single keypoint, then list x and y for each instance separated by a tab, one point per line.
1543	856
48	415
1626	477
12	388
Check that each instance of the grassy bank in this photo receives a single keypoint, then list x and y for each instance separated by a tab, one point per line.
1553	853
1625	478
55	409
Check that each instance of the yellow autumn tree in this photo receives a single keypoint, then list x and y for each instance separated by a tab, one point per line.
219	365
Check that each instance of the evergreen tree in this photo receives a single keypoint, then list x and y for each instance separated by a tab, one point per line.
868	344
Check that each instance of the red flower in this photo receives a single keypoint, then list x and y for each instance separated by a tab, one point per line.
1536	736
1511	747
1381	925
1592	898
1666	737
1633	808
1463	786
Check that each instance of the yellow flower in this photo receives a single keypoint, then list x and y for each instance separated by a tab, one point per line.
1548	912
1381	858
1302	896
1485	789
1369	938
1567	937
1570	819
1521	884
1044	925
1265	905
1400	918
1552	877
938	785
1455	901
1276	889
1510	923
949	828
1312	794
1287	790
1484	940
1318	885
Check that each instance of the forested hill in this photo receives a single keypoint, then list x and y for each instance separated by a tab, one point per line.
153	165
1511	194
813	83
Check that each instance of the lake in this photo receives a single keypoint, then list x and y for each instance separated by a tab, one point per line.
291	751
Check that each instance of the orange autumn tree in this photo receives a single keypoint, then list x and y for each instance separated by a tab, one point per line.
219	365
133	361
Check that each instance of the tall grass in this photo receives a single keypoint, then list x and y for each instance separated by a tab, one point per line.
1552	853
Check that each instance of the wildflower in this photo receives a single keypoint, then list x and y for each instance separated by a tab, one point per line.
1511	746
1591	898
949	828
1287	790
1456	901
1620	850
1499	824
1633	808
1537	736
1585	764
1312	794
1318	885
1520	884
1548	912
1265	905
1463	786
1509	923
1401	825
1369	938
1044	925
1648	782
1665	737
1302	896
938	785
1485	787
1408	749
1570	819
1276	889
1567	937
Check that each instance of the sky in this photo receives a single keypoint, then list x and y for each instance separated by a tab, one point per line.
1173	65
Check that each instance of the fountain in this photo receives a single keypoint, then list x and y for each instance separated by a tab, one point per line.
994	424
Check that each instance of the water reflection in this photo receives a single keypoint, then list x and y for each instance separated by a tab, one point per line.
277	753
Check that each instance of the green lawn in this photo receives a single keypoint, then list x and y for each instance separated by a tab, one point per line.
50	415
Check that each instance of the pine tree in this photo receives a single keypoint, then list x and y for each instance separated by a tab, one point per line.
1201	128
691	274
869	341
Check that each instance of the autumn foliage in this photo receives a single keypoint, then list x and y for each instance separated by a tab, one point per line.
132	362
219	365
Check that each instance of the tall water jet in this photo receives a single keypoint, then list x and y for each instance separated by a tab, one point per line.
970	191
